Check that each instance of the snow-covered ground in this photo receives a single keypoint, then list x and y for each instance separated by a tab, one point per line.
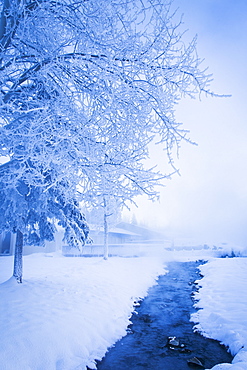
68	311
223	307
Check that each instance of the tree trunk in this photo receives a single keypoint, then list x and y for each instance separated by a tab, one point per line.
18	257
106	246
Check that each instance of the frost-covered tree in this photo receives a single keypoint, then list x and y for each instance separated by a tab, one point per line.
83	83
123	64
141	69
117	178
106	213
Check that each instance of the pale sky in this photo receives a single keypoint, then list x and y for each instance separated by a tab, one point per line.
209	200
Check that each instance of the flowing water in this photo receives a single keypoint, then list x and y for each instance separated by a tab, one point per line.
165	313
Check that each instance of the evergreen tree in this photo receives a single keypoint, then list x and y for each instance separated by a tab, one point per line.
31	212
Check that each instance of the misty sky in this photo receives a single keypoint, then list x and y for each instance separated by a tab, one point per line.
209	200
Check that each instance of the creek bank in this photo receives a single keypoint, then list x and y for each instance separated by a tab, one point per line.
161	335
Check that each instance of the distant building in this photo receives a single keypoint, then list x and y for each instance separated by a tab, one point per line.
122	233
125	233
145	234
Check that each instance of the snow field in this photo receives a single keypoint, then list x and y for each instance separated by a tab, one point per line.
68	311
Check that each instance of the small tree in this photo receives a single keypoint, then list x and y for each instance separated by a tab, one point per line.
106	212
117	178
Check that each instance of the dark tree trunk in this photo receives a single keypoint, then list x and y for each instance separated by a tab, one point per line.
106	247
18	257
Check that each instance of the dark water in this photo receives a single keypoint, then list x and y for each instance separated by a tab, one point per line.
164	313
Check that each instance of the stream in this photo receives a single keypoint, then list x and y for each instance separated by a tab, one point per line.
161	335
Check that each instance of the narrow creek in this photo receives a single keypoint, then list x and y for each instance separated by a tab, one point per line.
163	314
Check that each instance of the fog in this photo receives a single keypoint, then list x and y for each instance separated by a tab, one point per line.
208	201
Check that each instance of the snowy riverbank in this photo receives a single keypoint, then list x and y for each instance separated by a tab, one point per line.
68	311
223	307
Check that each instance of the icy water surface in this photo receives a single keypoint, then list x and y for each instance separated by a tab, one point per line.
165	313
